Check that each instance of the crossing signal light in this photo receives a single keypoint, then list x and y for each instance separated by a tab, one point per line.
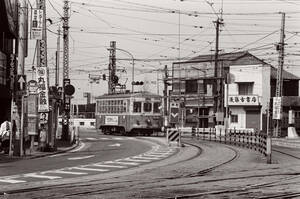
138	83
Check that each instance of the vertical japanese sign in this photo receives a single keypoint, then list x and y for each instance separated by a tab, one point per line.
42	81
37	24
276	108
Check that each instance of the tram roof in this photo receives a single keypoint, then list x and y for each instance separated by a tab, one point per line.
128	95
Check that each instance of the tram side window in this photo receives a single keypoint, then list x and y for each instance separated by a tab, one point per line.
147	107
137	106
156	106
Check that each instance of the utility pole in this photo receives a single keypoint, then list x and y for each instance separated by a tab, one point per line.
57	58
66	80
217	83
166	96
112	68
21	79
279	82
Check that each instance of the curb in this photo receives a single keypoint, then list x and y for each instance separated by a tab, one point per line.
55	152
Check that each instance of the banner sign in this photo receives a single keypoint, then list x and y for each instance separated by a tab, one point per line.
37	18
243	100
43	92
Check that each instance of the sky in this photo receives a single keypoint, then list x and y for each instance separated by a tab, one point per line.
159	32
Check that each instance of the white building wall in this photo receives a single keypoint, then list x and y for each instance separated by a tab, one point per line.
260	75
241	118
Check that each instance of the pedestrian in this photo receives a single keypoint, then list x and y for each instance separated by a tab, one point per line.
42	137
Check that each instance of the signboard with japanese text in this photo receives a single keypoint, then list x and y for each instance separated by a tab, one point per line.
43	91
243	100
276	108
37	24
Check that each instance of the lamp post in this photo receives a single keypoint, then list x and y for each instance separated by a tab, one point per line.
132	84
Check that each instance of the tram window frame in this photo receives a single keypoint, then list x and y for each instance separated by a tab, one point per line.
147	107
156	106
137	107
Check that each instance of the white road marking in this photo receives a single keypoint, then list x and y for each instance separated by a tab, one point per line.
118	138
117	145
136	160
108	166
35	175
158	156
65	172
119	162
79	148
12	181
104	138
145	158
91	138
89	169
82	157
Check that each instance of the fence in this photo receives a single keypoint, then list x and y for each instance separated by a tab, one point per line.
252	139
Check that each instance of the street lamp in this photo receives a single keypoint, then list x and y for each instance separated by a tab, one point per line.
132	83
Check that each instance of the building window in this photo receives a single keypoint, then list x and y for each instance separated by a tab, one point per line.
156	106
81	123
245	88
147	107
234	119
137	107
191	86
92	123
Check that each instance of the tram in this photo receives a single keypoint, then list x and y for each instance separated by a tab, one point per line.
136	113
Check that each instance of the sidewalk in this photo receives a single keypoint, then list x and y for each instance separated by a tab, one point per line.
286	142
62	147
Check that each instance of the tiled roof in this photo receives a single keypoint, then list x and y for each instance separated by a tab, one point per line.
224	56
285	75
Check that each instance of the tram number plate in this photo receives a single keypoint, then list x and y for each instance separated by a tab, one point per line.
111	120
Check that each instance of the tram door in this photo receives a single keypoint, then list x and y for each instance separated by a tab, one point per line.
203	117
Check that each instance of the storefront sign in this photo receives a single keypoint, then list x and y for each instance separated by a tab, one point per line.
243	100
43	96
37	24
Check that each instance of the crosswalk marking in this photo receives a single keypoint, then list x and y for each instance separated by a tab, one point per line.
109	166
11	181
89	169
146	158
65	172
35	175
91	138
136	160
119	162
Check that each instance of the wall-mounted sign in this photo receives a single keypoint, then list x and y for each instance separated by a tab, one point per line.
37	24
43	90
243	100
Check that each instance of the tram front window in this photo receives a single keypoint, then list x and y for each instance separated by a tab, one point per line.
156	107
147	107
137	106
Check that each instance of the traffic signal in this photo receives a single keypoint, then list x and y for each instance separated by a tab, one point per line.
103	77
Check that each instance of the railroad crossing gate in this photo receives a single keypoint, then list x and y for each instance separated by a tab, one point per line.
173	136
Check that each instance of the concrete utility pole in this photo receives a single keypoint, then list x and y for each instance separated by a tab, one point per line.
66	80
21	80
112	68
57	58
217	83
279	82
166	96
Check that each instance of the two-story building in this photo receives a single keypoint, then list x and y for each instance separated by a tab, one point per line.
250	83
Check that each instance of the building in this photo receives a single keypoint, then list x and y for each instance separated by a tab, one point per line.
251	86
8	37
